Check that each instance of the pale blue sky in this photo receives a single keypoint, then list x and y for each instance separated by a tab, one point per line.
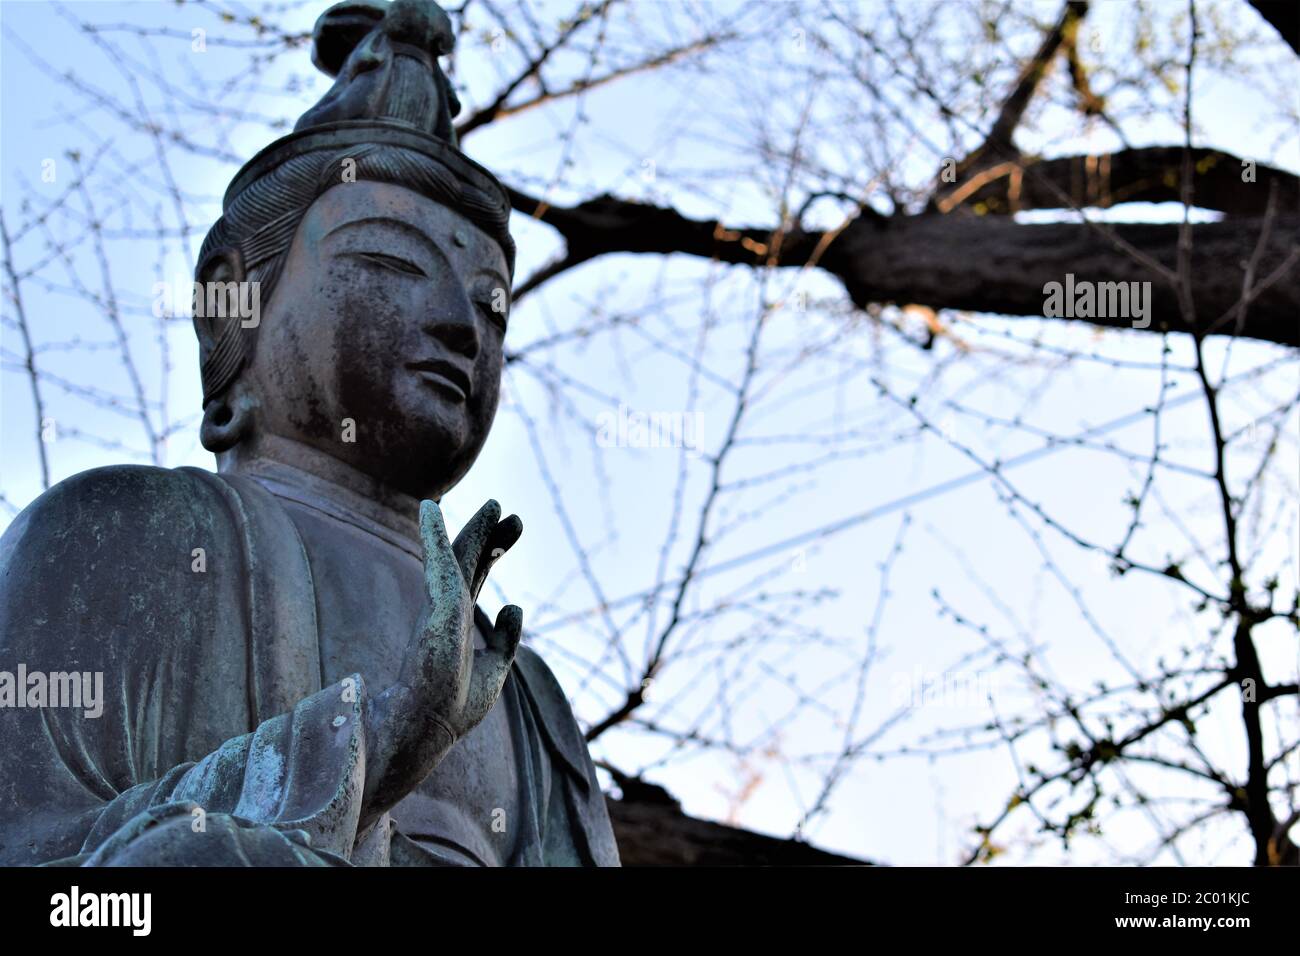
960	541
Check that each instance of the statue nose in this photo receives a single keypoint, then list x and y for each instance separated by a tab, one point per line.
454	327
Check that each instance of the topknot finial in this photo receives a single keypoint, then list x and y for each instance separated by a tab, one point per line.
385	60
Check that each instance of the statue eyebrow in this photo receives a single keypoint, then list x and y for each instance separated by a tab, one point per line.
418	233
401	224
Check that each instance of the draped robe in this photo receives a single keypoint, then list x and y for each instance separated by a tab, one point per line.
229	734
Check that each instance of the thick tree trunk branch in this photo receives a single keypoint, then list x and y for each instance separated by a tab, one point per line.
976	263
992	264
1131	175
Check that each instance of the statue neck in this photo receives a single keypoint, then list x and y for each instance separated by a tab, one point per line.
313	478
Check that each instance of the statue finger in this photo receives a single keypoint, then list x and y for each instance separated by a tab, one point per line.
493	664
505	637
501	540
442	638
473	538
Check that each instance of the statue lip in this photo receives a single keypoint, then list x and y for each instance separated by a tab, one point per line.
445	374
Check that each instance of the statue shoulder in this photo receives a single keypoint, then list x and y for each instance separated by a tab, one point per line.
109	529
104	505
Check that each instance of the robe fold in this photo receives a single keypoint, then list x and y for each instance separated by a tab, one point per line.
192	593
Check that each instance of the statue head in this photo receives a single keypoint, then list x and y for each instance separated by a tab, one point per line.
382	261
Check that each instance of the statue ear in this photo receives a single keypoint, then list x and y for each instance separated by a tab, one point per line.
227	400
221	265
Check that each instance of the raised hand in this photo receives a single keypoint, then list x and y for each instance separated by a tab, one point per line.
445	686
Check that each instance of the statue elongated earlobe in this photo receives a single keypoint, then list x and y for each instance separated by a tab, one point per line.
227	419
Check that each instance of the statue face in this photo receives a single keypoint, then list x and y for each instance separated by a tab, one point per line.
384	316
